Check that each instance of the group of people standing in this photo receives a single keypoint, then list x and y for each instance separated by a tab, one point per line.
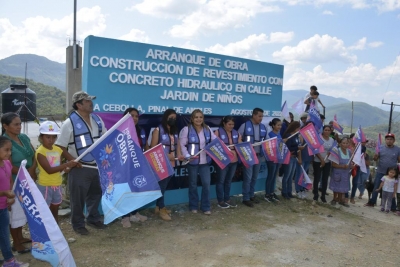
83	127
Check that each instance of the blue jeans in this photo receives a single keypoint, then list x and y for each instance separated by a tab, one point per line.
223	186
204	171
5	244
355	183
298	173
249	180
361	181
288	170
163	186
377	182
271	178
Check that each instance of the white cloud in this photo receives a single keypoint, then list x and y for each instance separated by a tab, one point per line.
360	45
248	47
189	45
375	44
327	12
136	36
364	82
317	49
166	8
388	5
48	37
217	15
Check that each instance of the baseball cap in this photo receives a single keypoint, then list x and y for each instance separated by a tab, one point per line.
304	115
49	127
78	96
389	135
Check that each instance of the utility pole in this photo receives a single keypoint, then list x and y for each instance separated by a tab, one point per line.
391	112
352	110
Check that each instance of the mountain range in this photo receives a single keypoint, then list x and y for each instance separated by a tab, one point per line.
47	79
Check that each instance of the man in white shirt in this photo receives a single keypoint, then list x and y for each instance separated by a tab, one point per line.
78	132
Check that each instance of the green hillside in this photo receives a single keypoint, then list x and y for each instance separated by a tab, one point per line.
49	99
364	114
40	69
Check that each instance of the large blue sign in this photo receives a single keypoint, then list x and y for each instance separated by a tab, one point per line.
153	78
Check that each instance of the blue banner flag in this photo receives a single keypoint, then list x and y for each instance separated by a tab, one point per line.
48	242
315	118
219	152
126	178
246	154
284	153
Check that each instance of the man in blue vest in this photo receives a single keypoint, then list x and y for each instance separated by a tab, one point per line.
78	132
252	131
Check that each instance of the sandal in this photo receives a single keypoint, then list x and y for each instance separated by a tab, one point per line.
352	201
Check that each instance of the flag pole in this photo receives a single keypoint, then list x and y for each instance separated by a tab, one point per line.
89	149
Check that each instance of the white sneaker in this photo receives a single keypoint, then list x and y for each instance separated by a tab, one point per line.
125	222
139	217
304	194
134	218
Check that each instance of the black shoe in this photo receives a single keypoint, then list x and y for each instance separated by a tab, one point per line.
248	203
326	194
81	231
275	197
26	250
97	225
323	200
290	195
255	200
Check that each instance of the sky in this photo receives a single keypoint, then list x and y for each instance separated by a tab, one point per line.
348	49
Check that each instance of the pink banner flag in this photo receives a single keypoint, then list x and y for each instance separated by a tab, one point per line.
159	162
334	155
246	154
311	137
270	149
219	152
304	180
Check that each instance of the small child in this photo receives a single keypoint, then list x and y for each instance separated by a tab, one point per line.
49	157
389	187
7	198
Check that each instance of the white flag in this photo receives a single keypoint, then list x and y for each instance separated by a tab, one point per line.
359	159
299	106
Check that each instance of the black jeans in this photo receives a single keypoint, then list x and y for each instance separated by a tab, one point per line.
323	174
163	186
84	188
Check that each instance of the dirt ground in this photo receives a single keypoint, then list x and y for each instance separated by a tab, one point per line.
290	233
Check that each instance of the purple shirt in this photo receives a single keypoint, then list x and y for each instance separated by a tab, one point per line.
5	175
183	141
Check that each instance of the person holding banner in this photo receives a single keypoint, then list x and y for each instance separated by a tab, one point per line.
340	176
289	170
49	158
272	167
322	165
388	156
252	131
192	139
84	183
7	198
21	149
135	216
166	134
223	187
